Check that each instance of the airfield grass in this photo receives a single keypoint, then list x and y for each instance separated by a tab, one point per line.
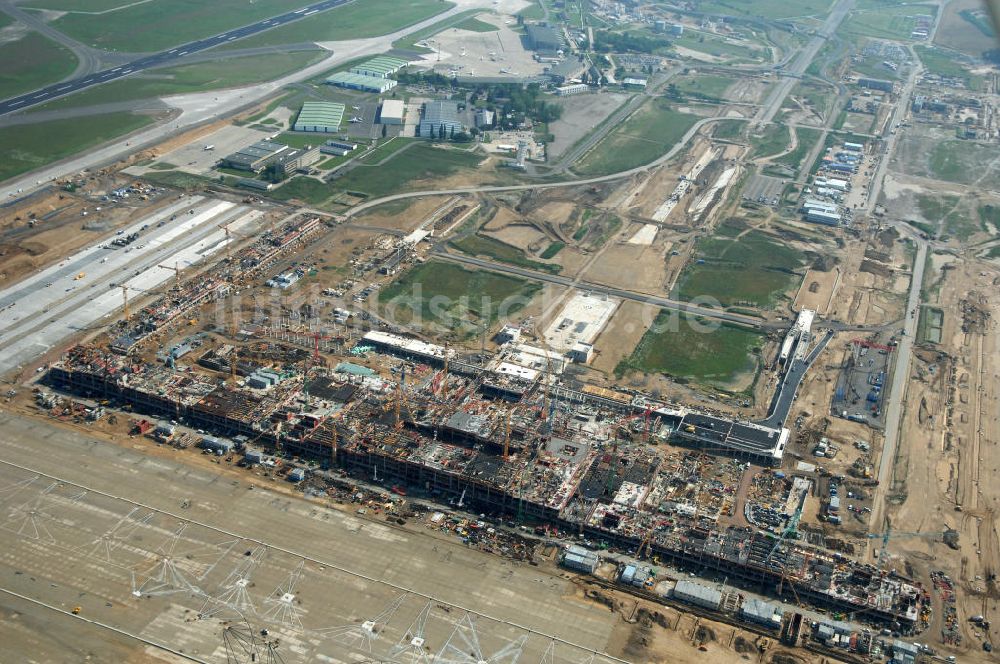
77	5
885	22
477	245
773	9
356	20
475	25
32	62
160	24
419	162
409	42
463	299
294	139
647	135
533	12
199	77
739	268
31	146
678	345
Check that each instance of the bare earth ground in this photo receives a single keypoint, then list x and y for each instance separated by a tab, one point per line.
946	475
817	290
957	33
389	217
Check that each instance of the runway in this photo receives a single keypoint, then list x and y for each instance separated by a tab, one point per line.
64	88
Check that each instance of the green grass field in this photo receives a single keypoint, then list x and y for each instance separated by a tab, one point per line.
200	77
648	134
308	190
771	141
419	162
894	22
552	250
27	147
806	141
356	20
709	86
952	160
765	8
740	268
452	297
160	24
950	215
478	245
77	5
939	62
679	346
728	130
386	149
33	62
989	217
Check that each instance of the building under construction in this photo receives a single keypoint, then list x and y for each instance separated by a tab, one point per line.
504	436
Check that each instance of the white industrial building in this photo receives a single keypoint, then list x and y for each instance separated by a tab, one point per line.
574	89
697	594
823	217
361	82
382	66
580	559
319	116
763	613
393	112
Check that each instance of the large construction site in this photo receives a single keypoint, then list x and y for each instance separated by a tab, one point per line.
700	364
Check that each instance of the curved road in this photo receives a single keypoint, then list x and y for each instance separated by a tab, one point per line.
485	189
88	59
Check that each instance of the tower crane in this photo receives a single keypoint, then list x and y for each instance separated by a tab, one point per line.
177	274
125	289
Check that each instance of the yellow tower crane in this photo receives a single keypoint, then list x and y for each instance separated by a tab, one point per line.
177	274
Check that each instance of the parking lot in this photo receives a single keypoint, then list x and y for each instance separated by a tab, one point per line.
764	189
